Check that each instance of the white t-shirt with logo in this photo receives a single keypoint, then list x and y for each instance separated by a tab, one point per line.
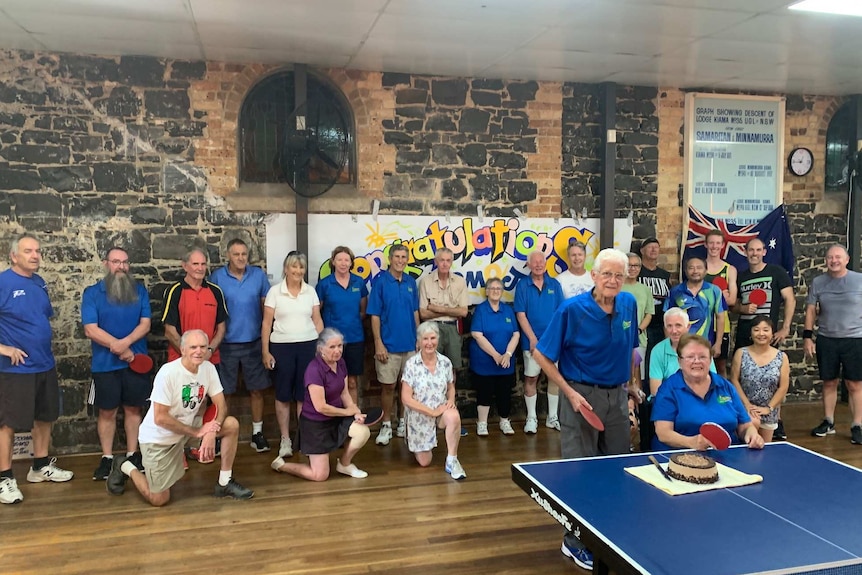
575	285
183	392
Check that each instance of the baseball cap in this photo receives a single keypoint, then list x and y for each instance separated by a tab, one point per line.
646	242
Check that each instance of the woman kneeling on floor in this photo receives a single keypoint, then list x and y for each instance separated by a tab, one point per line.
428	395
329	415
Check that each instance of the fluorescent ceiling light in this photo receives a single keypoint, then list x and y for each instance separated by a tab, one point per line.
843	7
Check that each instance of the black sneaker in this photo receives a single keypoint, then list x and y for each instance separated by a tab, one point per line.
825	428
779	434
218	447
138	460
104	469
233	489
116	482
259	442
856	435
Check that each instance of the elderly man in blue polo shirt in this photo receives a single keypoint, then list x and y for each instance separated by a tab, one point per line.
244	288
115	313
593	337
537	297
394	309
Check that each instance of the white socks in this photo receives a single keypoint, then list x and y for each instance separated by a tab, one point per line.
483	412
553	401
224	477
531	405
256	427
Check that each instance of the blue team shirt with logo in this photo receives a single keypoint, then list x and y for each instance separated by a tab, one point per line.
119	320
395	303
497	327
25	312
242	299
341	306
539	305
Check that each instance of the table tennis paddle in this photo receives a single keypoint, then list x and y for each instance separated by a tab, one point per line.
720	283
757	297
141	363
211	413
716	435
373	415
592	418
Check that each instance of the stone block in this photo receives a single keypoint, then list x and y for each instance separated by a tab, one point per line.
444	154
413	125
12	119
173	146
523	92
411	96
174	247
507	160
135	242
67	178
15	179
640	108
639	139
397	138
485	188
89	68
482	98
486	84
407	157
437	173
395	78
167	103
182	178
84	144
453	189
186	128
474	120
186	70
8	136
96	209
474	155
116	177
123	102
396	185
525	145
19	95
449	92
514	126
522	192
184	217
411	112
631	183
43	204
403	205
36	154
440	123
148	215
70	124
142	71
39	137
422	187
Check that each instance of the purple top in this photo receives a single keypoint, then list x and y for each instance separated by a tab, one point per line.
318	373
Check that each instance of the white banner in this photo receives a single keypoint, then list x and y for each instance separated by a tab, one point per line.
491	247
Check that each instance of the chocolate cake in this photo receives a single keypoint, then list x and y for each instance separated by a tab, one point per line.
693	468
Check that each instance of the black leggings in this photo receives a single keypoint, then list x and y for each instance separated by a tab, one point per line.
488	386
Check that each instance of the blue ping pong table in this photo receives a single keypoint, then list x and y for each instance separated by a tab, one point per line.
804	518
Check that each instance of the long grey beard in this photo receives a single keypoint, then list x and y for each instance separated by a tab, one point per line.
121	288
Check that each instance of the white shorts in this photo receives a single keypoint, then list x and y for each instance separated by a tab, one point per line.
531	368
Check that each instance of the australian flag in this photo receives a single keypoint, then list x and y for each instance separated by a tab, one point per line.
773	230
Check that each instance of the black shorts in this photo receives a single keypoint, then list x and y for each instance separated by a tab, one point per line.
354	357
725	346
320	437
291	360
29	397
121	387
833	353
249	356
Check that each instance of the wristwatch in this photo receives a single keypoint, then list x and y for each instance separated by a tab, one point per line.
211	350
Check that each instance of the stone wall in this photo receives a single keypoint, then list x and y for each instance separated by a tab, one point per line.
142	152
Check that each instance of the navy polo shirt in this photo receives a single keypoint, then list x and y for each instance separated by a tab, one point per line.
497	327
539	305
341	305
676	402
395	302
119	320
242	298
25	312
591	345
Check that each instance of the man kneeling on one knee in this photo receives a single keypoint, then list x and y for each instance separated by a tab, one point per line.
178	393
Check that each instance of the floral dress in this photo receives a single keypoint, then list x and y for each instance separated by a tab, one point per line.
429	389
760	382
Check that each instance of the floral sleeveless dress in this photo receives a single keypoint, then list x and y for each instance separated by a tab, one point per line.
761	382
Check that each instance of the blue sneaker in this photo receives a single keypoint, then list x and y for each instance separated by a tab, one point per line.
582	557
464	431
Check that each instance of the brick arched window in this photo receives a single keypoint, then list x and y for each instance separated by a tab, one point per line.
264	119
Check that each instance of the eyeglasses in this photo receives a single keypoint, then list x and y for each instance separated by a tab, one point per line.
498	288
694	358
611	276
634	265
118	262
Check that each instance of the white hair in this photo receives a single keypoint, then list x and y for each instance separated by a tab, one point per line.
610	255
676	312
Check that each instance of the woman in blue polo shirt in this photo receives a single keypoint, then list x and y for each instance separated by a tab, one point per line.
495	338
694	396
343	297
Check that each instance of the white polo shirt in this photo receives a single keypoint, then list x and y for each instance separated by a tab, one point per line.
293	321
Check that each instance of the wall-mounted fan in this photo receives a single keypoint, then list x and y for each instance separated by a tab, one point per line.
314	150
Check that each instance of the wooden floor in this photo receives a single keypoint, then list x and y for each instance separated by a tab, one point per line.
401	519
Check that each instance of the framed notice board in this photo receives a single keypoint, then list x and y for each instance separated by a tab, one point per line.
734	155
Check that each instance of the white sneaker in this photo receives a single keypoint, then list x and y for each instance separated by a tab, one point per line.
277	463
285	448
350	470
49	473
384	435
553	423
506	427
455	470
401	430
482	428
532	425
9	492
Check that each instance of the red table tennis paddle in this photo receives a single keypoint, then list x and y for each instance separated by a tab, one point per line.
720	283
592	418
373	415
716	435
210	414
757	297
141	363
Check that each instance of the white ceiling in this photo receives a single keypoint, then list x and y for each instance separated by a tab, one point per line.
724	44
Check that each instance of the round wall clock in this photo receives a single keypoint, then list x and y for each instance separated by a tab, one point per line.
800	162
